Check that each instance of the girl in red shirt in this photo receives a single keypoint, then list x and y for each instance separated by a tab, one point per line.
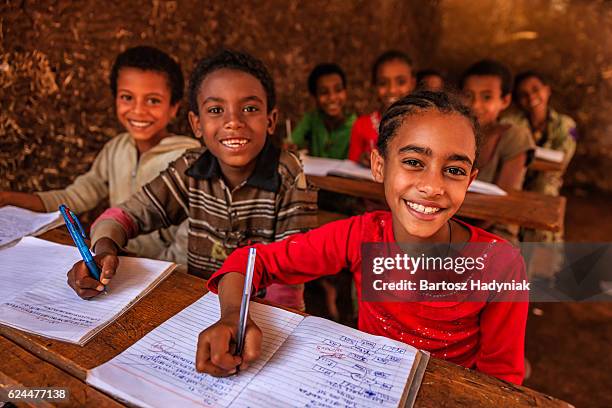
393	78
424	156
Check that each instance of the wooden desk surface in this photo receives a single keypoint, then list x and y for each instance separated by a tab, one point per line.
19	368
444	383
525	208
545	165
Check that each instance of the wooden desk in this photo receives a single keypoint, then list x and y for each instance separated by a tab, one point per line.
525	208
545	165
444	384
20	368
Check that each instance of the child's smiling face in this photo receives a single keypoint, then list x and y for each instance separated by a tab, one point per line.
393	80
533	95
233	120
143	105
483	94
426	171
331	95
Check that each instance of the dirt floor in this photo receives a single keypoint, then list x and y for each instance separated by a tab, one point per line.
568	344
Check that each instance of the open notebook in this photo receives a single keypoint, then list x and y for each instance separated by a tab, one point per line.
319	166
35	298
306	361
17	222
550	155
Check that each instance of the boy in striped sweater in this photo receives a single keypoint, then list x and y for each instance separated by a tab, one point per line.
236	191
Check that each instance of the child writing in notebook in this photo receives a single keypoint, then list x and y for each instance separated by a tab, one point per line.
237	190
393	78
506	148
147	85
326	130
425	157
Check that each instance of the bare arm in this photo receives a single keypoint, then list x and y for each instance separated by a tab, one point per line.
215	349
24	200
512	173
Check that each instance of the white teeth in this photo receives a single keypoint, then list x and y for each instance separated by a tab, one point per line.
139	124
234	142
422	209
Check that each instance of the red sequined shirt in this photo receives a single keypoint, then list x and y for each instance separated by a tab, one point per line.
489	337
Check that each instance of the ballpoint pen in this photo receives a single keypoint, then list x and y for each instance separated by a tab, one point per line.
78	236
244	306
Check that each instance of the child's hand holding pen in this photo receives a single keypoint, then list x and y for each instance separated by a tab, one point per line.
79	276
217	344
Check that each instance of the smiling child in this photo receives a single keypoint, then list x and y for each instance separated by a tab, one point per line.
147	85
236	191
392	78
326	131
425	157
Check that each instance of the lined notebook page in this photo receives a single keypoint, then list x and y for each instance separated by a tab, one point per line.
483	187
18	272
159	369
324	364
52	309
17	222
555	156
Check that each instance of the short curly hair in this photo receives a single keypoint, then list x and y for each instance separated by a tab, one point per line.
148	58
489	67
231	59
322	70
419	102
388	56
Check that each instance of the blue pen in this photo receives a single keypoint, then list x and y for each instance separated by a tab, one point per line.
78	236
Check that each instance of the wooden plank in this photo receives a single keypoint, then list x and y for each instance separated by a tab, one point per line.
525	208
448	385
545	165
19	368
59	235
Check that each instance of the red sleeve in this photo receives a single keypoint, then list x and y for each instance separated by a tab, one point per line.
299	258
502	338
357	139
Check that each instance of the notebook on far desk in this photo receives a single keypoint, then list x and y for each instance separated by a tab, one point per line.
305	361
18	222
319	166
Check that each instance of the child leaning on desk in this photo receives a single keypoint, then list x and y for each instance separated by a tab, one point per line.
549	129
506	148
236	191
147	85
425	155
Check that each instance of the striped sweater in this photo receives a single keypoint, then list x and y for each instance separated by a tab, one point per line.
273	203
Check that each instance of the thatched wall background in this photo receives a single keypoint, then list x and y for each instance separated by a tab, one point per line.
55	56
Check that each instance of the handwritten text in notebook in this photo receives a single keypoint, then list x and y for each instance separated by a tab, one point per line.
50	308
305	361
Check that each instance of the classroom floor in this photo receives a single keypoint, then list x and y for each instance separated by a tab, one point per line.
568	344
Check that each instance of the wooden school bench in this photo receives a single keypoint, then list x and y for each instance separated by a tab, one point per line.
545	165
62	364
524	208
